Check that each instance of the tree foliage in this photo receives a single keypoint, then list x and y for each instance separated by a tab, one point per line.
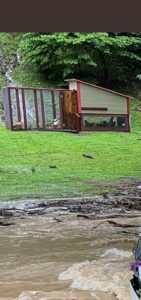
102	57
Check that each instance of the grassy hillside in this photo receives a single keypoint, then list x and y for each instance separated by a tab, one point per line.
25	158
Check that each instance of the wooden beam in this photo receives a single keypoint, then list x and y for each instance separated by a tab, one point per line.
94	108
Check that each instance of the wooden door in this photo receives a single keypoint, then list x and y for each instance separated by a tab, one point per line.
70	116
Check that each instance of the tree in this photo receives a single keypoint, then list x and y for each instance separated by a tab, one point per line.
100	57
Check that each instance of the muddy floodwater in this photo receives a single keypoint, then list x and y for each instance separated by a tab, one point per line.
80	250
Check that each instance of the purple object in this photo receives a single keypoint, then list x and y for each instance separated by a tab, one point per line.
135	264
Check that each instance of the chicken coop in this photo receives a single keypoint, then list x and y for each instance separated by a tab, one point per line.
83	106
100	108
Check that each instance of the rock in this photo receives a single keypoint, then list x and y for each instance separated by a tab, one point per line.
56	208
6	213
53	167
32	169
5	223
122	225
75	208
64	208
36	211
125	192
88	155
83	216
105	195
42	204
57	220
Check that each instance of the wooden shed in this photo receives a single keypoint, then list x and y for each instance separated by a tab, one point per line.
83	106
100	108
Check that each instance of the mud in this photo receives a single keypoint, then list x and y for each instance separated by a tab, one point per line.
107	205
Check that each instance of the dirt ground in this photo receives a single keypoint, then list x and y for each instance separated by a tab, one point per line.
120	197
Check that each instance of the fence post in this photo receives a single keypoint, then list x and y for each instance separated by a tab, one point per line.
42	109
24	109
18	105
36	108
53	105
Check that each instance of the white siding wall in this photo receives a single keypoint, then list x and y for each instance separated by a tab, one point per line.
94	97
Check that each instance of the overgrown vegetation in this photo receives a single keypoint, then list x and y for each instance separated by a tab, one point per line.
8	53
136	115
26	77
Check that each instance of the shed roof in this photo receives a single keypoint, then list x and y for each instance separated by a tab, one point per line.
98	87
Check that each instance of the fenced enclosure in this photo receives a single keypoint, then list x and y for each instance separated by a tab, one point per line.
40	108
32	108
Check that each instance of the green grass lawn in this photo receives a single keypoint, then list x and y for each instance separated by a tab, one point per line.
115	155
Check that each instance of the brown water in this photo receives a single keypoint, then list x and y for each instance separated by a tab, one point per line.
41	258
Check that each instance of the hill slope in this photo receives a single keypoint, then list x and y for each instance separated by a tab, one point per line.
25	157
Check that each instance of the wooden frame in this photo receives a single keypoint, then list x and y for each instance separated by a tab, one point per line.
79	104
40	109
128	105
